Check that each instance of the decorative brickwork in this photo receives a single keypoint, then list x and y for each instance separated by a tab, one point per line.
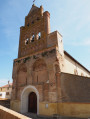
34	34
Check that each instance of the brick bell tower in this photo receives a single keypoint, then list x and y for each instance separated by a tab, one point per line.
36	71
34	34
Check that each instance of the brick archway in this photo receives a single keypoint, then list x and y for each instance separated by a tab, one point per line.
24	98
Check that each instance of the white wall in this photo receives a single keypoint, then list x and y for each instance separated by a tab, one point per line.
3	94
71	65
4	90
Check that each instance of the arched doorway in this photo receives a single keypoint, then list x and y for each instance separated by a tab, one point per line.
25	98
32	103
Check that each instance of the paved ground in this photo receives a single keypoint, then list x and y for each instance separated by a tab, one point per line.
5	103
34	116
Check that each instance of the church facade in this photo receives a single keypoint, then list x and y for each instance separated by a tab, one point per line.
46	79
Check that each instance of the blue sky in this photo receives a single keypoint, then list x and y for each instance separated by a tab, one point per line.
70	17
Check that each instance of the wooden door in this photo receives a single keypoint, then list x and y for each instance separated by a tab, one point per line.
32	103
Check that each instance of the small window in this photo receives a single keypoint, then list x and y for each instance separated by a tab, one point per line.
26	41
7	93
33	37
39	35
28	24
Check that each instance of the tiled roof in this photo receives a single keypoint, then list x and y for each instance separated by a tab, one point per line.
5	86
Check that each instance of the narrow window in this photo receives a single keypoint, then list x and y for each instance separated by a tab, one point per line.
39	35
28	24
33	37
7	93
26	41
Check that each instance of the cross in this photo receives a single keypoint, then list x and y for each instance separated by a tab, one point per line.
33	1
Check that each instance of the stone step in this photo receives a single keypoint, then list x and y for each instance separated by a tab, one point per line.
35	116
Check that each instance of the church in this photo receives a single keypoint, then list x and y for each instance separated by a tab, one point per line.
47	80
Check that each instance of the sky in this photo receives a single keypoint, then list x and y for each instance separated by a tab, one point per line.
70	17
